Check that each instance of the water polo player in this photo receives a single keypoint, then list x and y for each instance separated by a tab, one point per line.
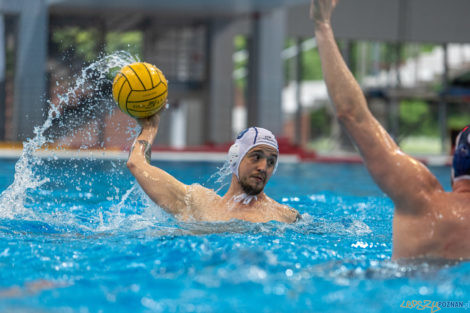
253	159
428	222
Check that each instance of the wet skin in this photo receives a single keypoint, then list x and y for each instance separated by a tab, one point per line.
428	222
245	199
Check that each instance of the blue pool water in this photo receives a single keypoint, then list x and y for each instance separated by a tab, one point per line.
86	239
80	236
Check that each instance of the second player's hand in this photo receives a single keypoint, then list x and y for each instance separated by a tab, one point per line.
320	10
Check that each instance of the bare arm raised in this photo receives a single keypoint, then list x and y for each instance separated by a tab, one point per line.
161	187
405	180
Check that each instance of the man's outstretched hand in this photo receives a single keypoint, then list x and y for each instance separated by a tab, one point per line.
320	10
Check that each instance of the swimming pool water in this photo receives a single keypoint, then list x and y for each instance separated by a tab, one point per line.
88	240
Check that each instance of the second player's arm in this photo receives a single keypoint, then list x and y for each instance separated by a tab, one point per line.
161	187
404	179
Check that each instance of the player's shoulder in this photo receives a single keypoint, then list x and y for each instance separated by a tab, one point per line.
198	194
292	214
200	201
289	214
430	201
199	189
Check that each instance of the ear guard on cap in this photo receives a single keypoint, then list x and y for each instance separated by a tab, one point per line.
233	154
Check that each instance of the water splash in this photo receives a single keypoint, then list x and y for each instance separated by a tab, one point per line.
115	215
220	177
125	216
90	82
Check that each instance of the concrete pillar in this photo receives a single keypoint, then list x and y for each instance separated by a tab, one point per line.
2	77
30	69
266	74
298	93
376	58
164	128
395	102
443	102
194	118
178	116
219	108
150	46
346	51
102	31
344	140
362	61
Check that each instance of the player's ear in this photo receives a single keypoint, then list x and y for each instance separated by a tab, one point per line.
335	2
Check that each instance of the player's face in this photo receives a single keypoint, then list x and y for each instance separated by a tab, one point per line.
256	168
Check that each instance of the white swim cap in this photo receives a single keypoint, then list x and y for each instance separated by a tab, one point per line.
247	139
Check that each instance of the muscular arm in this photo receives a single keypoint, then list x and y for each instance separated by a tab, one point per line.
405	180
160	186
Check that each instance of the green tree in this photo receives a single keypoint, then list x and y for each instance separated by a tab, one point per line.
417	118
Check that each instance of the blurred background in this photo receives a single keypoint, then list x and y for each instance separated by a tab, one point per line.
233	64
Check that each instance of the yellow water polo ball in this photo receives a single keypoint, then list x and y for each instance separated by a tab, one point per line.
140	89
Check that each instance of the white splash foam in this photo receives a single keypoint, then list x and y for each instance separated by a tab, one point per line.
12	200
